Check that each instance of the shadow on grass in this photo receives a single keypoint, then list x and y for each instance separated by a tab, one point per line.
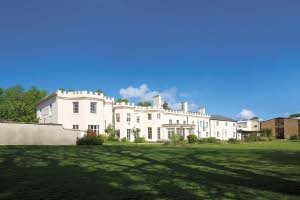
128	172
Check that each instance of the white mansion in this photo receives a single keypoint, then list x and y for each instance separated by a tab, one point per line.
89	110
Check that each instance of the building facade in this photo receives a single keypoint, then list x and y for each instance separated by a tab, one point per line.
82	110
223	128
282	128
77	110
158	124
251	125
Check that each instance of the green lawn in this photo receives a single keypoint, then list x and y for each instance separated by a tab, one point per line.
226	171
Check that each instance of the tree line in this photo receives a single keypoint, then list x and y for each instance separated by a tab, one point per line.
18	104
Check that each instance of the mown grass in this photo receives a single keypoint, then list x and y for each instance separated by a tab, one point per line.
268	170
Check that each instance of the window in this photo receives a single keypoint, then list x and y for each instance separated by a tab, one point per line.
226	123
233	124
217	123
234	134
171	131
149	116
193	122
94	128
206	134
225	134
150	133
206	124
128	117
158	116
50	110
76	127
170	121
177	121
128	134
40	114
158	133
200	123
93	108
137	119
184	122
76	107
118	117
218	134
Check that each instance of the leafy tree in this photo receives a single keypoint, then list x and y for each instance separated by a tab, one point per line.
255	118
112	133
166	106
120	100
145	103
19	105
136	135
99	91
295	115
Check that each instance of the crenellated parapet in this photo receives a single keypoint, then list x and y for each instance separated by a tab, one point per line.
84	94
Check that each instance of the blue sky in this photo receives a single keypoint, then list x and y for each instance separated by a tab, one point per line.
226	55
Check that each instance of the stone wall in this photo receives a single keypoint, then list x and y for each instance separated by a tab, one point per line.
36	134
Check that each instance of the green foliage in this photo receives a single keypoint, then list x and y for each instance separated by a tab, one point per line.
209	140
252	138
176	139
266	133
145	104
112	134
192	139
166	106
120	100
17	104
103	138
99	91
139	140
233	141
295	137
295	115
124	139
90	138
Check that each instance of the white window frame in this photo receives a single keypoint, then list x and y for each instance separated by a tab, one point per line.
76	127
94	128
158	133
128	134
150	133
149	116
118	117
128	119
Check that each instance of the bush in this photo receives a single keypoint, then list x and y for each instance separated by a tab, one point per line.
266	133
124	139
139	140
103	138
176	139
209	140
252	138
233	141
192	139
295	137
89	139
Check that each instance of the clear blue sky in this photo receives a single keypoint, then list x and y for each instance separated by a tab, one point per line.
226	55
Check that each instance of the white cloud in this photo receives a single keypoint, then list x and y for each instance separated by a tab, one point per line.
143	93
246	114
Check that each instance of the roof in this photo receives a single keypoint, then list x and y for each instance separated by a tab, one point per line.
221	118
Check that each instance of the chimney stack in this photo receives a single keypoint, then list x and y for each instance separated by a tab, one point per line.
157	101
202	110
184	106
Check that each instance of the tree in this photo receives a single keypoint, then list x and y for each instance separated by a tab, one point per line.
254	118
112	133
144	104
166	106
295	115
19	105
136	135
99	91
120	100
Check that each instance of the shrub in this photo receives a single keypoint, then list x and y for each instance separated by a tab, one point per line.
209	140
124	139
263	139
112	134
89	139
295	137
252	138
103	138
233	141
192	139
176	139
139	140
266	133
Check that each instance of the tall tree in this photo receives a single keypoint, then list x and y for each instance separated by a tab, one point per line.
144	103
166	106
19	105
295	115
